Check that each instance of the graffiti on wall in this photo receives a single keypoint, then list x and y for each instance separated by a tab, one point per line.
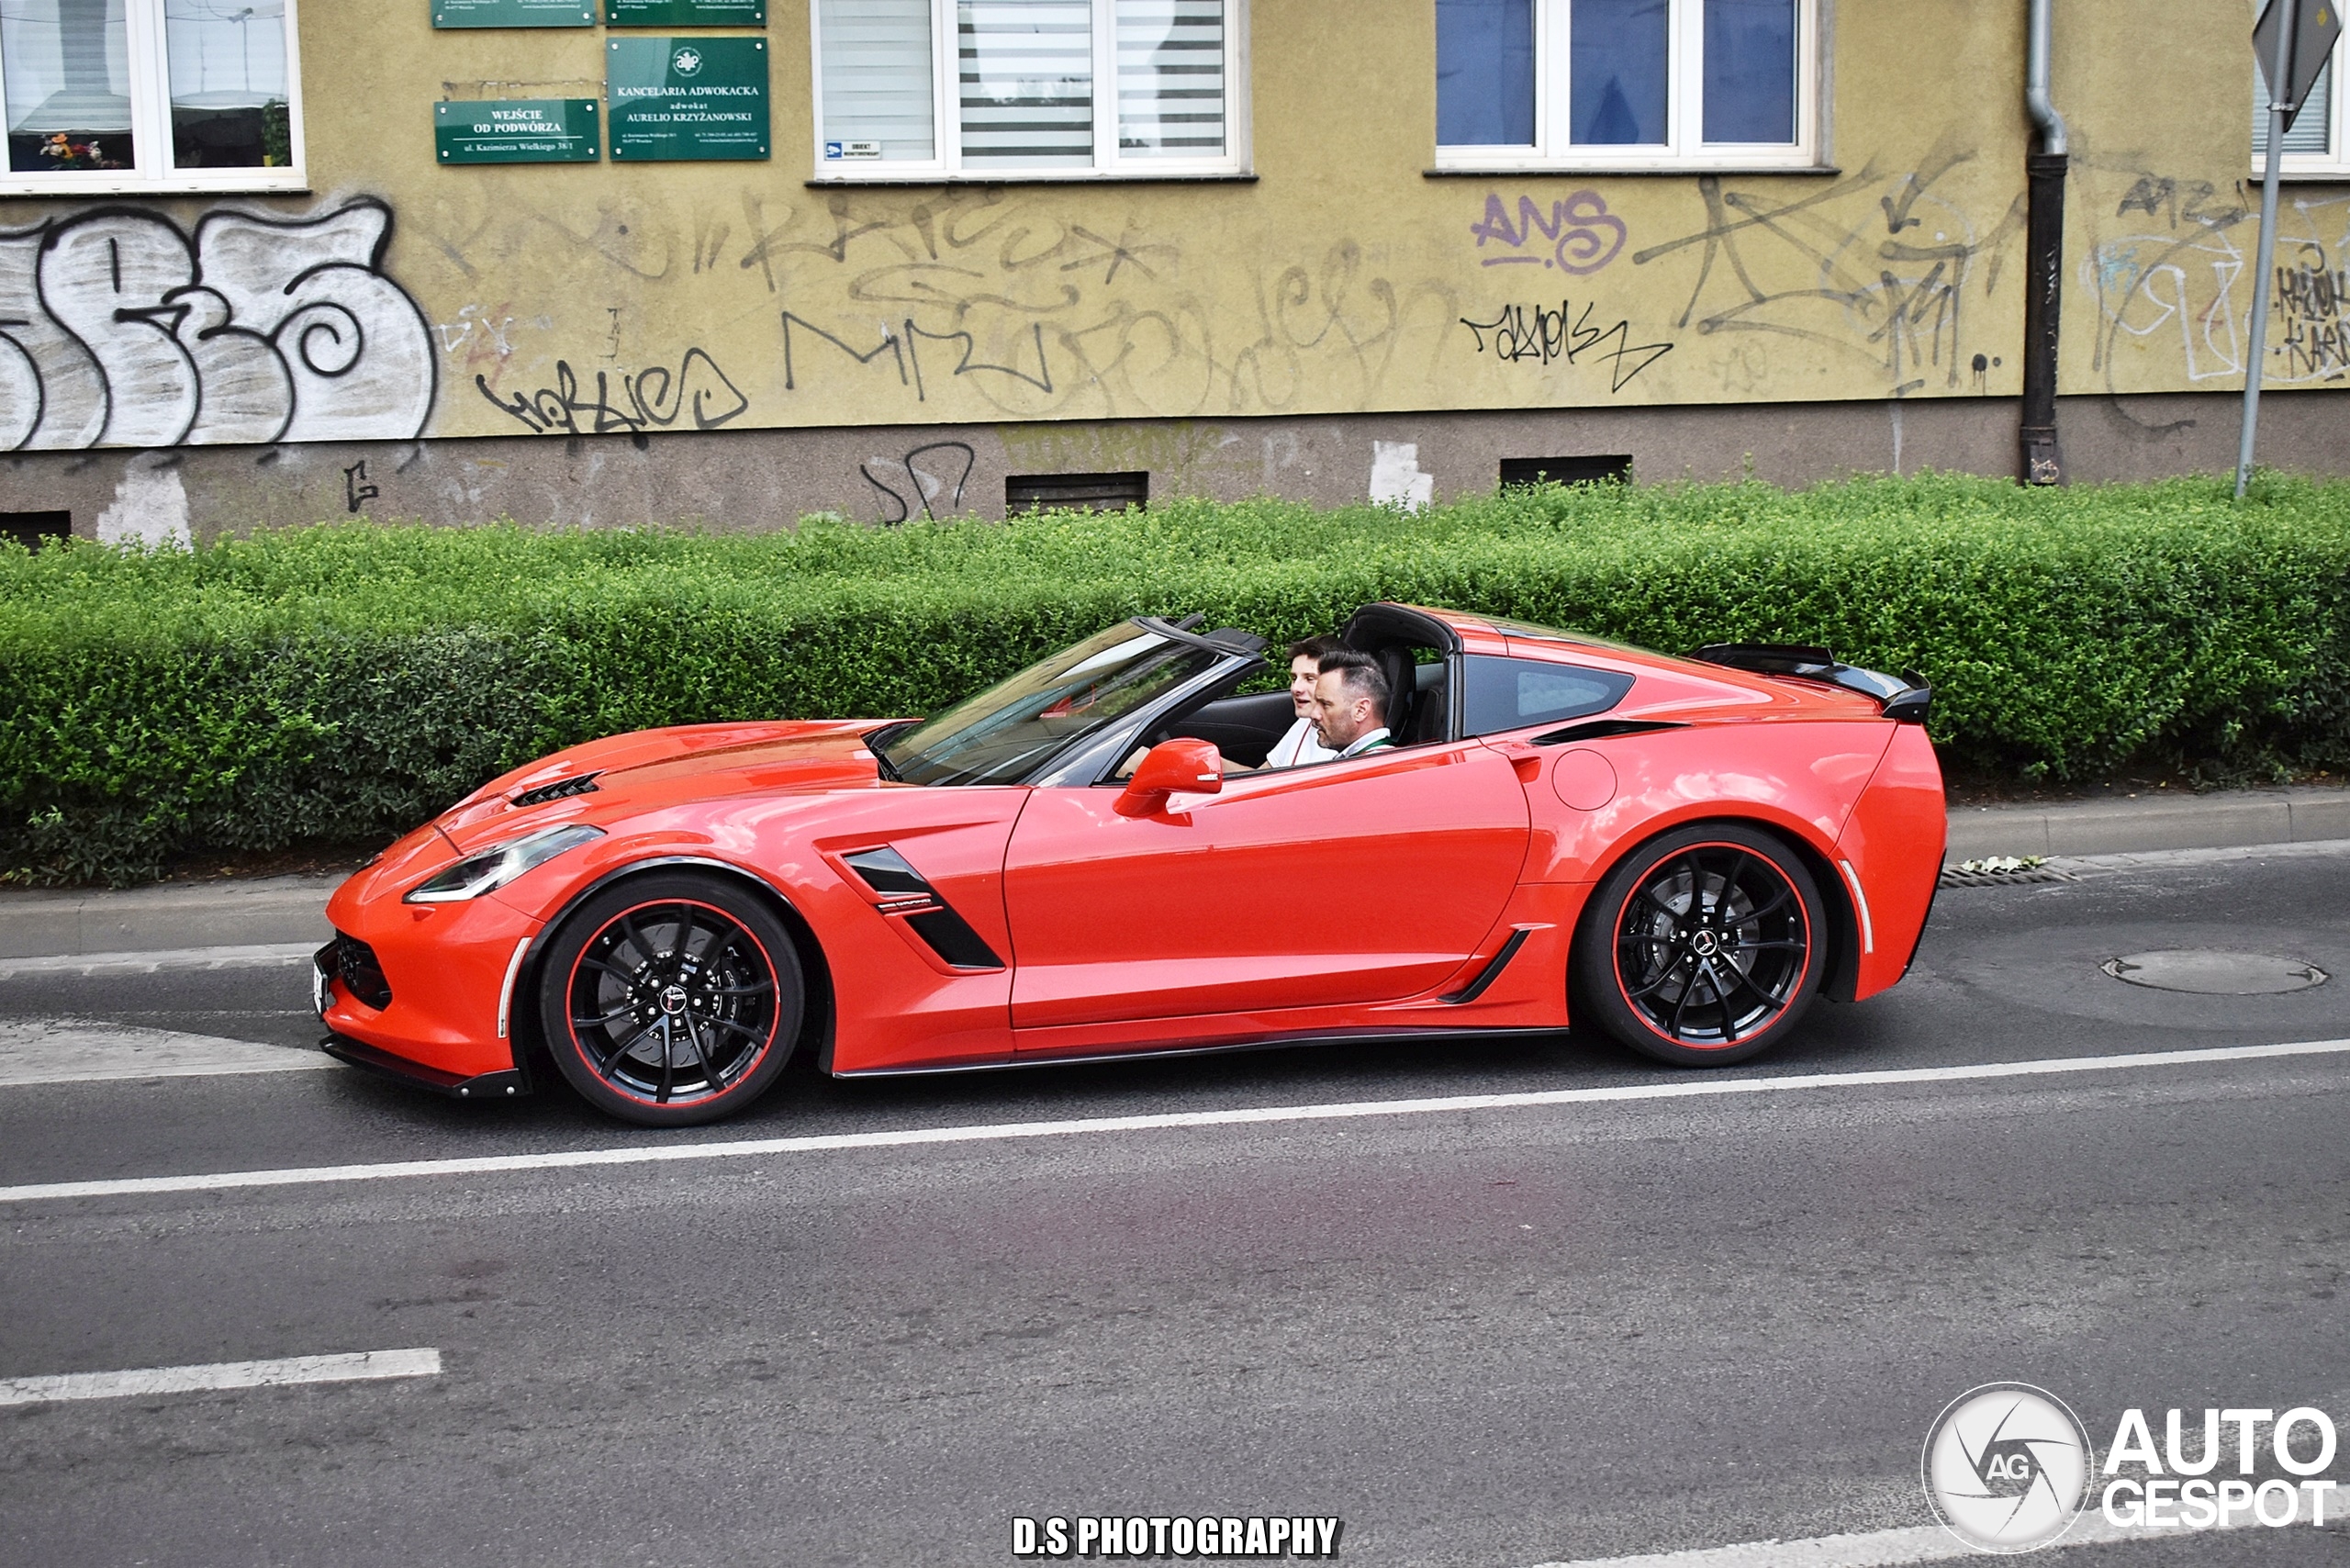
625	402
1876	266
120	329
1537	335
2171	270
1578	235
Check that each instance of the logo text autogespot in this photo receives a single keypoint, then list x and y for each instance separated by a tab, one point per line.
2175	1494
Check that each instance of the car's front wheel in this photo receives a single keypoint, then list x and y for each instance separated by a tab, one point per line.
1703	947
671	999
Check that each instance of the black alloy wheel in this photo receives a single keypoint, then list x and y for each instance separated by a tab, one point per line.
672	999
1703	948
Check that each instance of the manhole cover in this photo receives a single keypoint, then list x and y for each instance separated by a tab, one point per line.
2211	973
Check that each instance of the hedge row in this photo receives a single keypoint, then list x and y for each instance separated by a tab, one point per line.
339	683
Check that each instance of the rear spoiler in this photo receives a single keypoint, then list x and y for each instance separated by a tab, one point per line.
1906	697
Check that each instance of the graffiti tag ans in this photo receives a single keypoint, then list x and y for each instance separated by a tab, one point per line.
1578	232
1538	335
118	329
922	486
2310	296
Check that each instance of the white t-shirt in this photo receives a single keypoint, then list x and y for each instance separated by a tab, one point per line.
1299	746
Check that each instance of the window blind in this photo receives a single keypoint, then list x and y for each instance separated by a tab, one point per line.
878	80
2311	127
1171	78
1027	76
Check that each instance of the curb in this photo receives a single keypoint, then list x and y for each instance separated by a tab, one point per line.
286	910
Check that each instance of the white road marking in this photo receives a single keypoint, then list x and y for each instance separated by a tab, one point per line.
95	1053
1676	1089
1878	1549
356	1367
163	960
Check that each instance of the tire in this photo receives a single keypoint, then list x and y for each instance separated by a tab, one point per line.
1705	946
670	1000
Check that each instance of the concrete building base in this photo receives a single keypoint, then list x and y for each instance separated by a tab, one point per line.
769	479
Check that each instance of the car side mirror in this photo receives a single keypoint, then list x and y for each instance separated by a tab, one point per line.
1193	767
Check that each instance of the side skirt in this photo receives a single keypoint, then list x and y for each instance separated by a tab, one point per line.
1269	1043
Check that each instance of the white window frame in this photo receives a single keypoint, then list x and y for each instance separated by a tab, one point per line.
947	120
149	63
1554	149
2332	163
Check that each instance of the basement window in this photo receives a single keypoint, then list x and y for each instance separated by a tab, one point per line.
1565	470
1076	492
34	529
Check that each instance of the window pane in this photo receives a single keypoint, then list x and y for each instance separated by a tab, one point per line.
2309	127
1171	78
1027	82
1484	73
877	80
1619	52
227	61
1750	70
1508	694
67	86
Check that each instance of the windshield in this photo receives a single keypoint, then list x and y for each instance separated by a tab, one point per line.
1003	734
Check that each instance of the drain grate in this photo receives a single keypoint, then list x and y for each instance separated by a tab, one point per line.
2002	871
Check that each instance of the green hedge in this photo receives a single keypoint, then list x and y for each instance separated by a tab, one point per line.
339	683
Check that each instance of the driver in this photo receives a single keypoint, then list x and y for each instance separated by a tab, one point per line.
1351	704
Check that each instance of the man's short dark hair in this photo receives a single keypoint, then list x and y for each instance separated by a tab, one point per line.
1361	675
1314	648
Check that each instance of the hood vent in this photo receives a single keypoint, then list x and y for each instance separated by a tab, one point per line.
584	784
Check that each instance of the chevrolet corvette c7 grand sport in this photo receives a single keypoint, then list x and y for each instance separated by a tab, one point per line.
1683	853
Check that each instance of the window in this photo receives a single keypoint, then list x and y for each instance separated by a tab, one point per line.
126	96
1038	89
1509	694
2317	144
1626	84
34	529
1564	470
1077	492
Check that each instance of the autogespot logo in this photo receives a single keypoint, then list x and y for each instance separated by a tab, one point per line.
2006	1467
687	62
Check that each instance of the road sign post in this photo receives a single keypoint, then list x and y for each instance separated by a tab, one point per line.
2292	40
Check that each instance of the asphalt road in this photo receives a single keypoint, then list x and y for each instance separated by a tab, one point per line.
1495	1337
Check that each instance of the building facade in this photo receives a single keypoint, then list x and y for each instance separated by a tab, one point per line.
735	262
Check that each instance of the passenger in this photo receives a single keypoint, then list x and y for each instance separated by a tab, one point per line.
1300	743
1351	704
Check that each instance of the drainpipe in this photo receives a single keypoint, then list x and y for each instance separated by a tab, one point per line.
2044	464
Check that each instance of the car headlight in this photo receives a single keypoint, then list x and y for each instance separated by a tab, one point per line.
490	868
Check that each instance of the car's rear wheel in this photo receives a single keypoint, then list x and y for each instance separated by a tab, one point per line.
1704	948
671	999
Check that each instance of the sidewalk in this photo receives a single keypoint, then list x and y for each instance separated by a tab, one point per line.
282	911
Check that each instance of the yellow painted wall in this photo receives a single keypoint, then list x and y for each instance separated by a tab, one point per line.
617	296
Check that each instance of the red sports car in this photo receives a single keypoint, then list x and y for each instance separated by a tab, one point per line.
1681	852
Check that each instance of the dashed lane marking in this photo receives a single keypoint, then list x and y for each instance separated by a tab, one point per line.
360	1366
1674	1089
62	1052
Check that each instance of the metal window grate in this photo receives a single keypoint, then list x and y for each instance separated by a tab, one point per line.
33	528
1564	470
1077	492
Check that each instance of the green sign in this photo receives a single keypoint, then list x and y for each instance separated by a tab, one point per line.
687	98
685	13
513	13
518	130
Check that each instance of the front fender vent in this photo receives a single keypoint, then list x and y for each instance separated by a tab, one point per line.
562	788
